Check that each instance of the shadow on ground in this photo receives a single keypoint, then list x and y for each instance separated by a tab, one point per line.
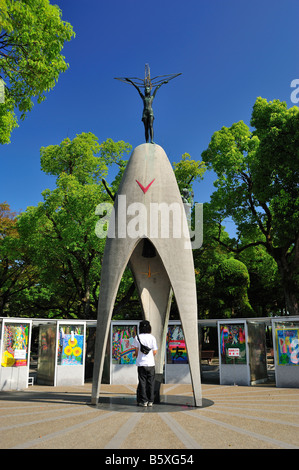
169	404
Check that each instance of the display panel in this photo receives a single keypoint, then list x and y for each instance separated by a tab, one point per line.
15	345
287	345
257	351
70	345
123	352
176	351
47	341
232	343
46	354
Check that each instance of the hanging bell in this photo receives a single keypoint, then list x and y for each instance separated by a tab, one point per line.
148	250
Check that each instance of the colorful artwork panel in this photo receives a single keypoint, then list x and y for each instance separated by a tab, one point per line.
123	352
72	350
71	345
232	337
287	342
176	351
15	345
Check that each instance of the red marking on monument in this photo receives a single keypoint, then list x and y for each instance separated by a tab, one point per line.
145	189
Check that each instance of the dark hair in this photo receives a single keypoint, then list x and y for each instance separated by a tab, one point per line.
145	327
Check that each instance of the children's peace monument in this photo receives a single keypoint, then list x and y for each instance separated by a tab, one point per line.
155	245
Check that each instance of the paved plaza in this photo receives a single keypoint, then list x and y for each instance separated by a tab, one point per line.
232	417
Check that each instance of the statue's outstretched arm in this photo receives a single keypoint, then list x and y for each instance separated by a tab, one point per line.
137	88
157	88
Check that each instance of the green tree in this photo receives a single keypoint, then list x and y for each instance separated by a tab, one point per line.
32	36
60	232
206	260
222	281
231	285
188	171
16	272
258	186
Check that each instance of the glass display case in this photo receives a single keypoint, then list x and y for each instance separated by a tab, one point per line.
257	352
61	357
242	352
46	354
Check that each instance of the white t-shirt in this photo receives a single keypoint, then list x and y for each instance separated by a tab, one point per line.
150	341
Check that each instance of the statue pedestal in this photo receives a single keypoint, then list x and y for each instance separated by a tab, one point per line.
149	188
158	387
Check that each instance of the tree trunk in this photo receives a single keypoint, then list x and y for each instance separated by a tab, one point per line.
291	300
289	287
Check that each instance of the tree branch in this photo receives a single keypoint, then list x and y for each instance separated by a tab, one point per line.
266	232
239	250
108	190
125	299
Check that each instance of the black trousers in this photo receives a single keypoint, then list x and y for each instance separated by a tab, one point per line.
146	384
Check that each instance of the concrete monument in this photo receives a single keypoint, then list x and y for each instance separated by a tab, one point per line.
149	232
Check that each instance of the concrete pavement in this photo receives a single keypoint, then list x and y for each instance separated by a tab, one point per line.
233	417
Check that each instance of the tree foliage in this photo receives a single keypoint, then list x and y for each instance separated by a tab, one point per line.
222	282
231	286
32	36
60	232
54	256
16	271
59	236
188	171
258	186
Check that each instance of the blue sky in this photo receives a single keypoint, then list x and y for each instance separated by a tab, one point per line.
228	51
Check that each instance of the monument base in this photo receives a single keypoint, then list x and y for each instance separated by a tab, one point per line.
158	387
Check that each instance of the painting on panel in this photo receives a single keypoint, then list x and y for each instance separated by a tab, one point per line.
232	343
15	345
71	345
287	342
123	352
175	345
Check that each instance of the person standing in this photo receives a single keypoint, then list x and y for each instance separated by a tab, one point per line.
145	364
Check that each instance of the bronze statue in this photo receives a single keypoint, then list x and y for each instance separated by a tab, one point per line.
147	97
